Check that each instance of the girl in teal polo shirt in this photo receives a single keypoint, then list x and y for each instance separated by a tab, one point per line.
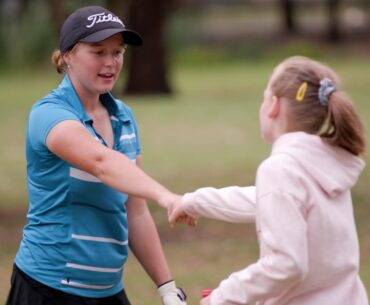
86	188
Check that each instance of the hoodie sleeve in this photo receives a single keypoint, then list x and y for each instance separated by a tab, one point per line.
282	233
231	204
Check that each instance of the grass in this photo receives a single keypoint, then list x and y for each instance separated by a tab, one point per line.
207	133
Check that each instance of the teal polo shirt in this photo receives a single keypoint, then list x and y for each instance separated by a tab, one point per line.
76	236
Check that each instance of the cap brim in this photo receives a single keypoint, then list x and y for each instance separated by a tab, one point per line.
129	37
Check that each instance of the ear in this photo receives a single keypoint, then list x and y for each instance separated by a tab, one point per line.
274	108
66	58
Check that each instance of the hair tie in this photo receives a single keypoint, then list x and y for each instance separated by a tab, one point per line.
325	90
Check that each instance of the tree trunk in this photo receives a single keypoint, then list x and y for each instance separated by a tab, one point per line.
3	45
119	8
57	13
147	65
333	10
287	10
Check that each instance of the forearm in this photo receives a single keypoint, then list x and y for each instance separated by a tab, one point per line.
70	141
144	239
259	281
232	204
120	173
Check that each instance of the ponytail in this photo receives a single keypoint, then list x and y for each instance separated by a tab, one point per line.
315	106
58	62
344	128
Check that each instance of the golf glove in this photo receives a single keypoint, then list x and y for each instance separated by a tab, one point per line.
171	295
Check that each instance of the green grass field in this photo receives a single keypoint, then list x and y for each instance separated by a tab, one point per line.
207	133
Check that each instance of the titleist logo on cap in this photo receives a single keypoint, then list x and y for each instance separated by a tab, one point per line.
102	17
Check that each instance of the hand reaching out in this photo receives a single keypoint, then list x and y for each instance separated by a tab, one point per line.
168	200
177	214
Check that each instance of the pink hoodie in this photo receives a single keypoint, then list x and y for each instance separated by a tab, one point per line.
309	251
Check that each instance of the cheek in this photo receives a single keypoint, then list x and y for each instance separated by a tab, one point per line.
264	123
120	63
86	66
262	111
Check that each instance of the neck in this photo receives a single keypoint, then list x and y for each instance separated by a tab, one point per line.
90	103
90	100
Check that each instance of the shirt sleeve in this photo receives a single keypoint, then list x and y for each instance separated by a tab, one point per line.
231	204
42	119
282	232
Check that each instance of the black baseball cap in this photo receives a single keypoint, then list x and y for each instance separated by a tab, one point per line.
94	24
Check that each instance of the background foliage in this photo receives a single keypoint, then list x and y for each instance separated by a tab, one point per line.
205	133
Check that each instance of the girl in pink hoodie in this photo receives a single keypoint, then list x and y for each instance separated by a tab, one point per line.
302	207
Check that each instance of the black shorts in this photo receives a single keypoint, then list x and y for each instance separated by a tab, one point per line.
26	291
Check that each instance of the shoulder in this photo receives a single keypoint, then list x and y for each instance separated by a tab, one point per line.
51	107
277	163
280	173
54	99
45	114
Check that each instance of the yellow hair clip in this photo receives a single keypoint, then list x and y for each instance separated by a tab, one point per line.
301	92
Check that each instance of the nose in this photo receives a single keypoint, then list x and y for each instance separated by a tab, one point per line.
109	60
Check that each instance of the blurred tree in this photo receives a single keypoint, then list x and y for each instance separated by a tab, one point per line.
119	7
333	13
287	9
2	41
148	65
9	18
24	6
57	13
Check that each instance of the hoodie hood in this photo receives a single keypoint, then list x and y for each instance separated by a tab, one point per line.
334	169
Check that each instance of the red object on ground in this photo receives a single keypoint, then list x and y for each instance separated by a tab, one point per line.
206	292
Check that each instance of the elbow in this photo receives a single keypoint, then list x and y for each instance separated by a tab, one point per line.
97	167
296	271
286	271
299	275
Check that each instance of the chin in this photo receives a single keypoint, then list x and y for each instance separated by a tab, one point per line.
105	90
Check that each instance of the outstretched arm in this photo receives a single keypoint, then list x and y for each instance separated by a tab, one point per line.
232	204
70	141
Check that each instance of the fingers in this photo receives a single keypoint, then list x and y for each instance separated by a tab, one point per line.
182	218
190	221
176	213
174	217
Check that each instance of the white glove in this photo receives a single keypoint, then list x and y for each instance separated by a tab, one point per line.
171	295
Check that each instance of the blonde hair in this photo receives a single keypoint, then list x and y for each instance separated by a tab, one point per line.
297	79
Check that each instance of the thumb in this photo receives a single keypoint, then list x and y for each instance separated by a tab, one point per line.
172	217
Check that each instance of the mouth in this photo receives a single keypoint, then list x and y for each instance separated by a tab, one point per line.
106	76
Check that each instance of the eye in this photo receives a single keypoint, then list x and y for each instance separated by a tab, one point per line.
120	52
